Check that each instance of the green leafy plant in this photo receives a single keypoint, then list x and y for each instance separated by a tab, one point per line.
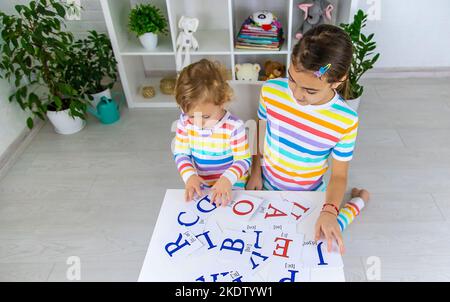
92	60
35	52
146	18
364	57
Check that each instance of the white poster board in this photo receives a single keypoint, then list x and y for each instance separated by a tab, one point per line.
260	236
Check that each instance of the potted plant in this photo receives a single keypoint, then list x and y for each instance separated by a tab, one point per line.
35	52
364	57
147	21
92	67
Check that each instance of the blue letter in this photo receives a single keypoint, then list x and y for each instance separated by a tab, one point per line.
319	251
205	234
208	202
177	246
186	224
231	247
290	279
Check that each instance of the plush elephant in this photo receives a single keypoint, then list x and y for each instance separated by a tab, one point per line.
316	12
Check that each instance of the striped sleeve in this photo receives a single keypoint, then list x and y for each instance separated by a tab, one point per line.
262	111
241	155
343	151
182	153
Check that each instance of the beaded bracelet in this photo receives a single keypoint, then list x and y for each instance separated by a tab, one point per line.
331	205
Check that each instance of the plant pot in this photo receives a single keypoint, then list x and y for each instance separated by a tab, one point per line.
63	123
149	41
354	104
99	95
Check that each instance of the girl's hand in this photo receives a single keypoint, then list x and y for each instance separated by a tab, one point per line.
328	226
193	186
221	191
255	182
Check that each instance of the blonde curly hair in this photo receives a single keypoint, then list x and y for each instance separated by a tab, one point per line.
201	82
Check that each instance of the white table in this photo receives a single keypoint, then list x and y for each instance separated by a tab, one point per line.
158	266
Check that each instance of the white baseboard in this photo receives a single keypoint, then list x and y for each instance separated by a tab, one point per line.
18	146
438	72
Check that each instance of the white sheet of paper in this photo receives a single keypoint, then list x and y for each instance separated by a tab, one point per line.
210	238
236	246
301	208
287	272
284	246
313	258
182	254
277	212
240	210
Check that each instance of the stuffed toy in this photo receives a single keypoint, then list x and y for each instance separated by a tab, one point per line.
316	12
186	41
273	70
247	72
263	19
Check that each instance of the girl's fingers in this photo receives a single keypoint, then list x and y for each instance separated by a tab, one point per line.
329	239
213	196
340	241
189	194
224	199
317	232
218	199
228	197
198	190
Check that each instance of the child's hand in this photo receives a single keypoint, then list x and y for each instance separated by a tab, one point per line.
328	226
255	182
221	192
193	186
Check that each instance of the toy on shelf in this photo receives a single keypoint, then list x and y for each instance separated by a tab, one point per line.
247	72
167	85
316	12
273	70
148	91
261	31
186	41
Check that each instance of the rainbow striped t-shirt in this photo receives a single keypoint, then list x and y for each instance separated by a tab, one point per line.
211	153
299	139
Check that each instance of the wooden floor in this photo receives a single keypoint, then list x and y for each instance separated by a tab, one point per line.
97	194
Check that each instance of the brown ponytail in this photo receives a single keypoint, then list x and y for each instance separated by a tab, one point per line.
322	45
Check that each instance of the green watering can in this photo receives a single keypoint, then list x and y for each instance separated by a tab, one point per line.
107	111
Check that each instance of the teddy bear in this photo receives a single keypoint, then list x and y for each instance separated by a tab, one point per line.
247	72
273	70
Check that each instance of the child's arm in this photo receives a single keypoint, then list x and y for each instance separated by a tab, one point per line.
183	160
241	155
241	164
342	153
255	181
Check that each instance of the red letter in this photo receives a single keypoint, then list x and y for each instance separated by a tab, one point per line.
297	217
284	247
276	212
243	213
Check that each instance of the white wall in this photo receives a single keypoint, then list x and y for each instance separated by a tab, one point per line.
12	118
412	33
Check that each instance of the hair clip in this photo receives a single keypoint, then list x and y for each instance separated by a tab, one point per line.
323	70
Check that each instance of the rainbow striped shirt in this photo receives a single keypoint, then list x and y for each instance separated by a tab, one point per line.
211	153
299	139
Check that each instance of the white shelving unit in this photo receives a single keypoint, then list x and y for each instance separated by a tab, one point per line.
220	21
